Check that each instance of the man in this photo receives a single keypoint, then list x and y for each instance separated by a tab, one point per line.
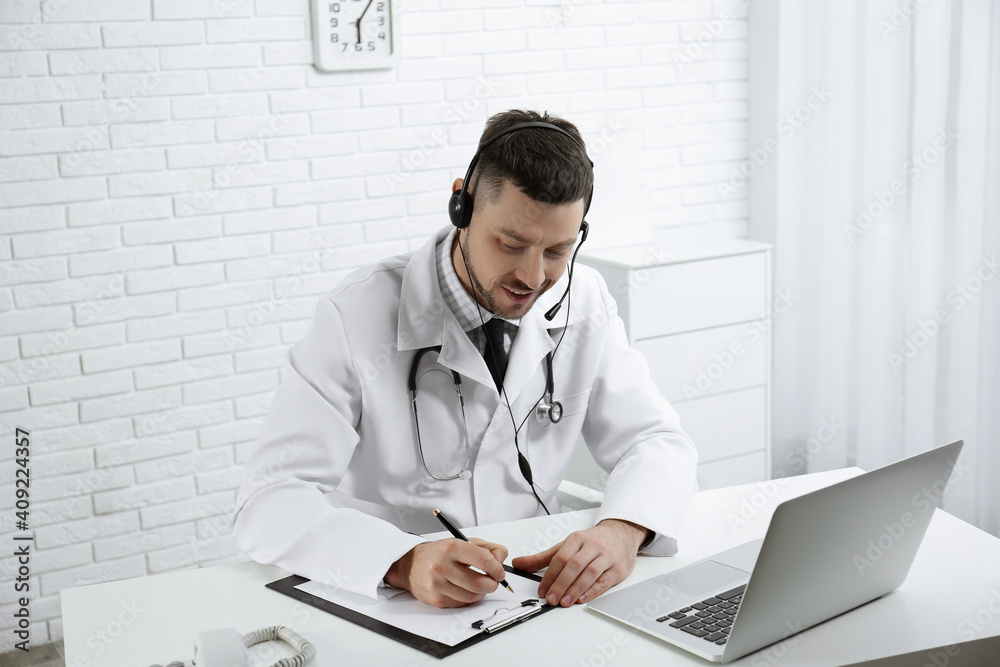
346	474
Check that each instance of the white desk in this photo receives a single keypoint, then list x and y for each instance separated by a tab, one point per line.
956	576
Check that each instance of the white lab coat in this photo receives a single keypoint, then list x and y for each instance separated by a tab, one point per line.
335	488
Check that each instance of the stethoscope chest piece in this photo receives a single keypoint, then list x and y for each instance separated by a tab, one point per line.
549	412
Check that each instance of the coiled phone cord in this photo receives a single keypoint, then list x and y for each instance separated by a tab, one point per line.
306	650
228	654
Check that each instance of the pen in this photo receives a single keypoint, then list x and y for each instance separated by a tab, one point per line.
457	533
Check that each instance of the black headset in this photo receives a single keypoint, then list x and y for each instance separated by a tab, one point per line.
460	204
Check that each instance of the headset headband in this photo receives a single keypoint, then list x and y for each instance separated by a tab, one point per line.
460	204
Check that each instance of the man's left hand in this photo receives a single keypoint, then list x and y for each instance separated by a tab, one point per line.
586	563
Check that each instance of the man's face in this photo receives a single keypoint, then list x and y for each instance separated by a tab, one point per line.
516	249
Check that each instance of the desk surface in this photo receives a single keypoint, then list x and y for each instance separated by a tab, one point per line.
952	594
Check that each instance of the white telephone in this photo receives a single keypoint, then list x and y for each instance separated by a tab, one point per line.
227	648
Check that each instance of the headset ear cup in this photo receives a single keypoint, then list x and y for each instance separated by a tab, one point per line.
460	208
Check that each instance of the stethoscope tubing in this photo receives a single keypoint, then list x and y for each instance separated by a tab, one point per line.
546	414
412	385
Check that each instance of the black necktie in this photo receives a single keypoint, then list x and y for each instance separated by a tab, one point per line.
496	360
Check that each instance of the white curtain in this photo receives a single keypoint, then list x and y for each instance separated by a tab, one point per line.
886	225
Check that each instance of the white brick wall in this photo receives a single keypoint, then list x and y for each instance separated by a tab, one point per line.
178	185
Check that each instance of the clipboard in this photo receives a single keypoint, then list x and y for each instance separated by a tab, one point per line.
517	612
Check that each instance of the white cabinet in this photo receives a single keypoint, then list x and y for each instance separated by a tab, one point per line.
700	314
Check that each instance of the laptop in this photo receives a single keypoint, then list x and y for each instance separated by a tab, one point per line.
824	553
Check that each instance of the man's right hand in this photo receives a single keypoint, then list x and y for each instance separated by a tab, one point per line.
439	573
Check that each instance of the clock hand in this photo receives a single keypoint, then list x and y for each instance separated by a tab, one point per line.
358	22
366	10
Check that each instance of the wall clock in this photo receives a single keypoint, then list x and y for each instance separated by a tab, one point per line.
355	34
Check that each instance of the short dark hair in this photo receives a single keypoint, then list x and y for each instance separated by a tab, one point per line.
545	165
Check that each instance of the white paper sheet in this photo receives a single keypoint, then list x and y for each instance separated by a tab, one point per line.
448	626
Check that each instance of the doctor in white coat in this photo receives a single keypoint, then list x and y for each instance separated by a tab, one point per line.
344	477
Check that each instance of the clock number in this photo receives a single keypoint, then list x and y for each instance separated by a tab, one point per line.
381	20
381	36
334	22
334	37
380	7
334	6
371	46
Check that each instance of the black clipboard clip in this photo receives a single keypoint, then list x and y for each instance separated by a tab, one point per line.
495	623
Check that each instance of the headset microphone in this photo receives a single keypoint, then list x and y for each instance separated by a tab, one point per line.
551	312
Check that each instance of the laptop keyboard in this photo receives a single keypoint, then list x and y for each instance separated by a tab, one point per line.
711	619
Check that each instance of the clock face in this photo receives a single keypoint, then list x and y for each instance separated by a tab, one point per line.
354	34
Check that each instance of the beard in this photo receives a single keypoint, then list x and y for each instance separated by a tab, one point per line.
489	296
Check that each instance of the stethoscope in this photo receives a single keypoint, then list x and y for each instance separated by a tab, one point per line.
547	411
